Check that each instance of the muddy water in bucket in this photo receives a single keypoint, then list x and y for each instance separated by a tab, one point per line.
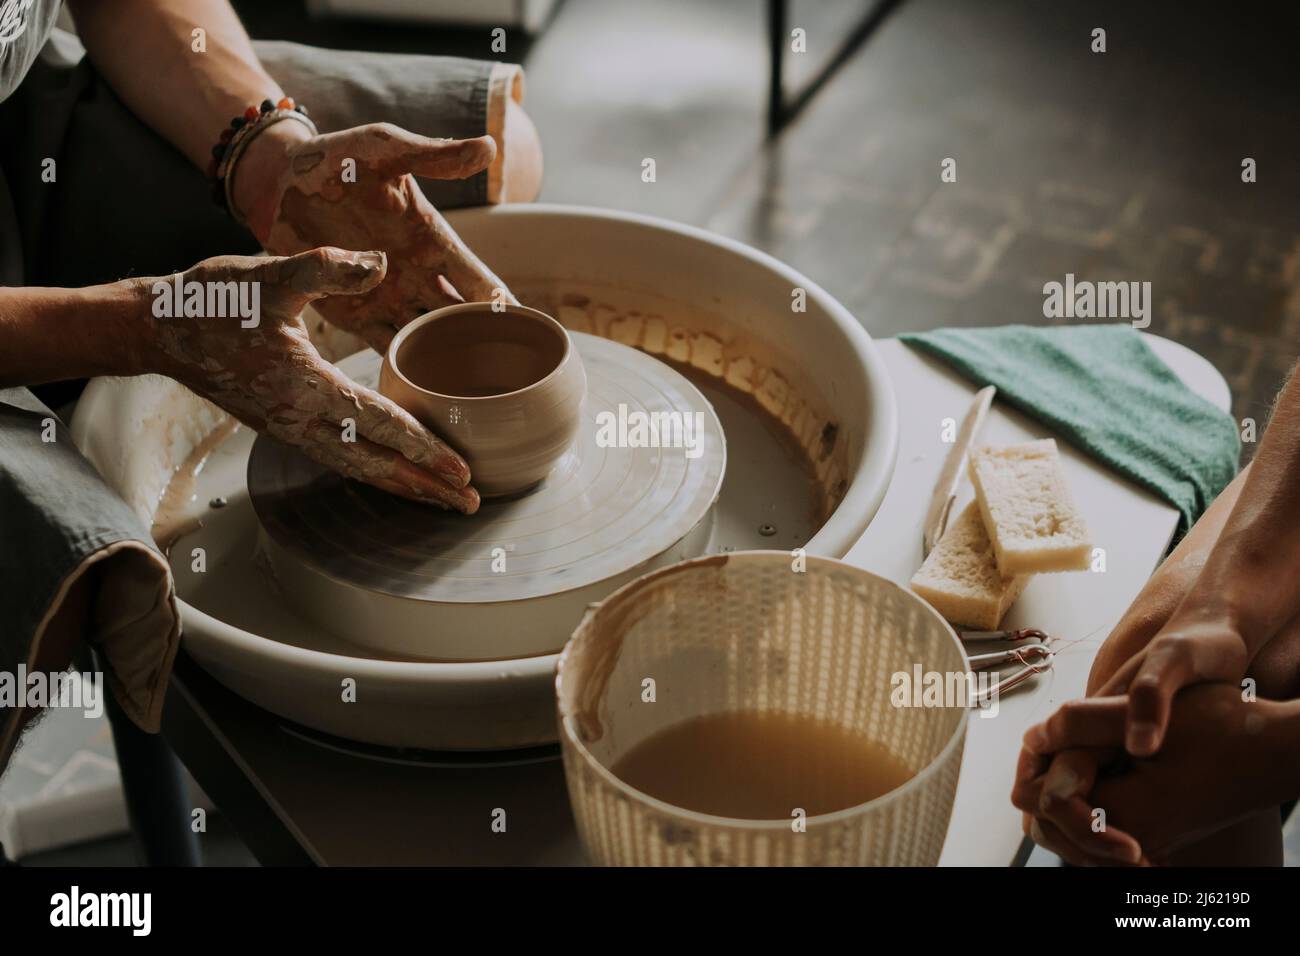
735	710
761	765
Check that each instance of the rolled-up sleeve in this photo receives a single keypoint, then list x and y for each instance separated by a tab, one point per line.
440	96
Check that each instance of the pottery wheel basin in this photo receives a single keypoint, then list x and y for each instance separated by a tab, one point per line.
803	400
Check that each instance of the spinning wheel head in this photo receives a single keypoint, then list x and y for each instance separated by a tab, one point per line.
633	491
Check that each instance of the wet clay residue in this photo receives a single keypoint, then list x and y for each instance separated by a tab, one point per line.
178	513
821	503
705	346
599	642
708	561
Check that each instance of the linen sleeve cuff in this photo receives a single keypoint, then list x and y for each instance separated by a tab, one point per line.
505	83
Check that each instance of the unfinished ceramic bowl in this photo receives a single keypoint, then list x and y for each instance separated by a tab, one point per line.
745	633
502	384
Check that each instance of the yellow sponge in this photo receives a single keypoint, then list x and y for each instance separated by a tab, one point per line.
1028	510
960	578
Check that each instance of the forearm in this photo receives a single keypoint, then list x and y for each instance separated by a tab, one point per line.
50	335
1167	587
1253	570
144	49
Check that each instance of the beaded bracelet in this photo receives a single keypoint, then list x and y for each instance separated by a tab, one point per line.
234	139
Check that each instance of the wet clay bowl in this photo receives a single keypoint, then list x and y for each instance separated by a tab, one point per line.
502	385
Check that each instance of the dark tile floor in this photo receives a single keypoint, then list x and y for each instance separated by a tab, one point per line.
1122	165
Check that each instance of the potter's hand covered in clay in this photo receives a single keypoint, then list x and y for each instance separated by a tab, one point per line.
354	189
270	376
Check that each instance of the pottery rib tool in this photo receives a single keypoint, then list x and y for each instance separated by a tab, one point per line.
945	489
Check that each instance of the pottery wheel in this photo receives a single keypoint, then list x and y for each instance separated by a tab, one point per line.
414	580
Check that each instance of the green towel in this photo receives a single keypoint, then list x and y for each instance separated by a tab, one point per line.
1101	388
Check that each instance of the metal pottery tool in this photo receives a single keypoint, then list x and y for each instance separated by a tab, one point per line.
1035	657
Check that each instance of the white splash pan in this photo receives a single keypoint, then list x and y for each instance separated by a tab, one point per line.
715	308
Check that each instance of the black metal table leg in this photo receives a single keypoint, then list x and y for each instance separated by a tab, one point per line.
782	109
157	800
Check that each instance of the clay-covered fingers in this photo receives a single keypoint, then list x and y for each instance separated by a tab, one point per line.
425	460
364	460
361	434
378	335
392	151
458	273
290	282
375	326
386	423
448	290
293	281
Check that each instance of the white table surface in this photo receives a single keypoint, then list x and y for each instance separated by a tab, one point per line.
1079	609
340	809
